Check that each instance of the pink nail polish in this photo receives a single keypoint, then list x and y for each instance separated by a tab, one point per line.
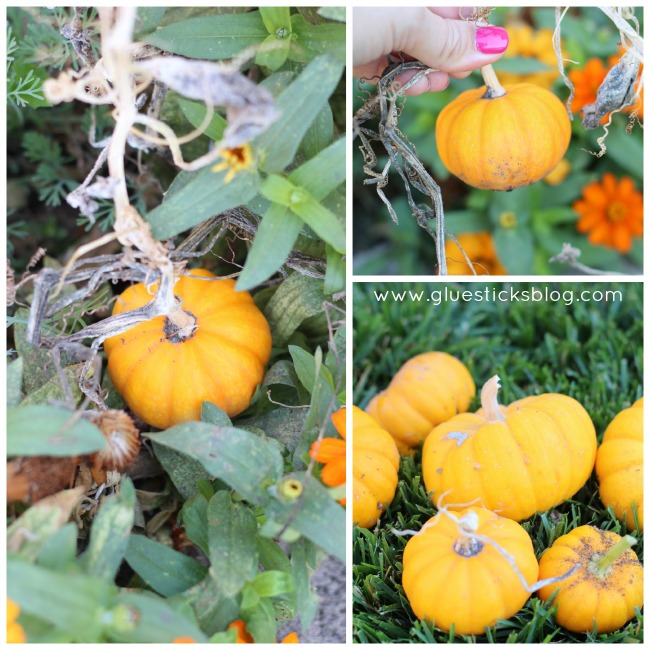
491	40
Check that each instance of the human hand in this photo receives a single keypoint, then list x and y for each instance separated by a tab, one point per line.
437	36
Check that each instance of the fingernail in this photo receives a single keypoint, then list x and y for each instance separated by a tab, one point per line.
466	12
491	40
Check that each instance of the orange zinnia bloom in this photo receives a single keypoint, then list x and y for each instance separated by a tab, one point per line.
331	452
183	639
611	212
479	247
242	633
292	637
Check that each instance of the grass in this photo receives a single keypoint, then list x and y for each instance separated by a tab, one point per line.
591	351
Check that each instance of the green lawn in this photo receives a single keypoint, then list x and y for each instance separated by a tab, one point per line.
591	351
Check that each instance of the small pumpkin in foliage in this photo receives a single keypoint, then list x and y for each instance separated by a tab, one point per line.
516	460
164	375
375	462
453	576
501	138
428	389
606	586
619	465
480	248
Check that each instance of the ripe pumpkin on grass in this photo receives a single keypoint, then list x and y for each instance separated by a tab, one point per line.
605	588
452	576
164	379
375	463
428	389
619	465
501	138
515	460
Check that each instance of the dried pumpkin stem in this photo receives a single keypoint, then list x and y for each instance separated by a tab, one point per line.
602	566
489	400
493	88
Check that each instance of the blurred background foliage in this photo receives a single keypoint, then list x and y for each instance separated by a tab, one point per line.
519	230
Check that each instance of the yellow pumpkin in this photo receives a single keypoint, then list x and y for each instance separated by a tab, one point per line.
428	389
375	463
516	460
479	247
165	380
501	142
603	590
619	465
452	576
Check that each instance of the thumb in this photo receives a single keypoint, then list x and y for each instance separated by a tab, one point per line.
452	45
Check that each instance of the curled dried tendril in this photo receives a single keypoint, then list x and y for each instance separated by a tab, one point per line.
480	15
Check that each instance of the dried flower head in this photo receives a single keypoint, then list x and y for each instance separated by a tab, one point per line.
33	478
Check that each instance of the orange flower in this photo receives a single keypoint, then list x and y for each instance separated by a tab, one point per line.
15	632
242	633
331	452
479	247
292	637
538	45
235	160
611	212
183	639
588	79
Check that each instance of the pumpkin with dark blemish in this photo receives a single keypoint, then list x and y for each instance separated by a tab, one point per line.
606	587
503	142
165	376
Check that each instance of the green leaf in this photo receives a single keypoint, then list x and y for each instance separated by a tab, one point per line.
200	198
38	366
272	583
272	244
60	549
324	172
273	52
231	540
333	13
260	621
195	114
194	516
298	298
299	104
276	18
323	222
302	568
15	381
464	221
334	272
307	368
272	556
248	464
50	431
66	600
109	534
165	570
520	65
211	37
149	18
212	414
212	608
515	247
319	134
319	518
184	471
152	620
626	150
323	38
53	391
282	424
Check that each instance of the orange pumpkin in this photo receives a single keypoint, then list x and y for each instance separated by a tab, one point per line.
603	590
499	141
619	465
452	576
428	389
517	460
165	380
375	463
479	247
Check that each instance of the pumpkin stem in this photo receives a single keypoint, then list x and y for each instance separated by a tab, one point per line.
601	566
493	88
489	400
179	325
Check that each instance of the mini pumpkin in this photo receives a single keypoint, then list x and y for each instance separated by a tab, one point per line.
605	588
375	462
428	389
453	576
501	138
515	460
164	378
619	465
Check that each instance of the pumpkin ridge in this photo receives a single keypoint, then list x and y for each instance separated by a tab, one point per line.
233	344
118	362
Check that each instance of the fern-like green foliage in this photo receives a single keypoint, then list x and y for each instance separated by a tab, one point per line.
21	90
